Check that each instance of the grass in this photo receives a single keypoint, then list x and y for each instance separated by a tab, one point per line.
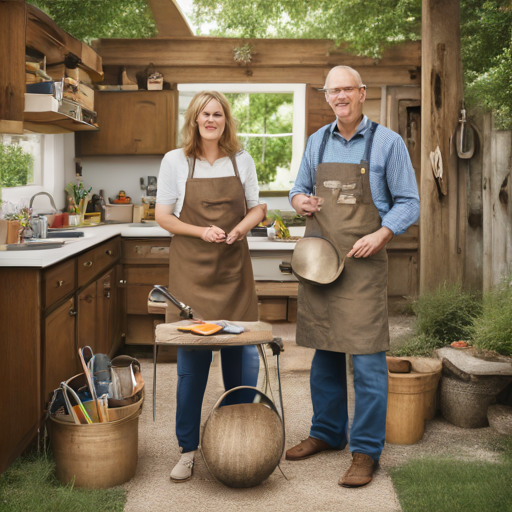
29	485
493	329
429	485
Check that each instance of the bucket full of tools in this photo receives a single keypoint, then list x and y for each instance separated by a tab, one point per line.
93	421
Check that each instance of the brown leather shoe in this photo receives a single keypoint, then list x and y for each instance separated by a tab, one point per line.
360	472
307	448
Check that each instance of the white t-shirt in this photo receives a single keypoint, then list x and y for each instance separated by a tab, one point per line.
174	173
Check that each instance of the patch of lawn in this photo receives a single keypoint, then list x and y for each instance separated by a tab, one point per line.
30	485
428	485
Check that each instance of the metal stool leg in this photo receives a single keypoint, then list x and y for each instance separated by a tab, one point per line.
155	356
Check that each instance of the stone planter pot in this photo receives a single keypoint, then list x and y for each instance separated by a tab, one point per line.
470	384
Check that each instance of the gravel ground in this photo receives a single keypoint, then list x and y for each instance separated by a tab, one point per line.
311	485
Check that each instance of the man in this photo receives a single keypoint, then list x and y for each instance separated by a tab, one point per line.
357	187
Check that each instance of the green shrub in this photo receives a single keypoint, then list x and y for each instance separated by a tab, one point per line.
420	345
446	314
16	167
493	329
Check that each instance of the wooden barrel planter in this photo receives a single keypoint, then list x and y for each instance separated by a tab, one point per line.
243	443
412	400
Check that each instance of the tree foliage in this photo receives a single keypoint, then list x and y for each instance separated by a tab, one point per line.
90	19
368	27
15	166
265	114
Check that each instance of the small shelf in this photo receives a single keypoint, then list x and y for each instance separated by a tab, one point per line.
55	122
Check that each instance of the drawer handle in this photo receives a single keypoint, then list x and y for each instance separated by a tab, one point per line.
59	284
108	252
72	313
88	264
285	268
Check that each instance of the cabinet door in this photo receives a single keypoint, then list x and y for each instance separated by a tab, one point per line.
87	333
60	350
132	123
110	310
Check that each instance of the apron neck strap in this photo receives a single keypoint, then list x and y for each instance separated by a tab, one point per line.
367	149
192	166
369	143
235	167
325	138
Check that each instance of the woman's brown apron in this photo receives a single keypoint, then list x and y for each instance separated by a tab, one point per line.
349	315
215	280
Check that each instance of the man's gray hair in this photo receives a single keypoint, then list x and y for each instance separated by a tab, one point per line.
352	71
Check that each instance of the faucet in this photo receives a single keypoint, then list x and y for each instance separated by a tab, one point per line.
46	194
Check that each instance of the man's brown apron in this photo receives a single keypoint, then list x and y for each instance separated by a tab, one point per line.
349	315
215	280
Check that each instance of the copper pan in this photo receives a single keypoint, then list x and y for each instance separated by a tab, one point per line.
317	261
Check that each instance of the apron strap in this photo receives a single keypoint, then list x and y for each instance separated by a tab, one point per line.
235	167
191	166
324	142
369	143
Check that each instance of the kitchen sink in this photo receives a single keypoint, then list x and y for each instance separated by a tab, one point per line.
33	246
147	224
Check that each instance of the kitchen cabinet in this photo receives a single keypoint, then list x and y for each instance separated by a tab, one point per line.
132	123
60	354
45	316
146	263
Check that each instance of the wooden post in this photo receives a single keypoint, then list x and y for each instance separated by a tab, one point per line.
12	70
443	205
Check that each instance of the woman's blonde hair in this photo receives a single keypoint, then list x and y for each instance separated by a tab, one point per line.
190	137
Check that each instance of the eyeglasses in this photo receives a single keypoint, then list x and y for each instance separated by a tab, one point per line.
346	90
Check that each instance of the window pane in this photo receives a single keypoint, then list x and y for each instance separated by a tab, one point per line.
20	159
265	128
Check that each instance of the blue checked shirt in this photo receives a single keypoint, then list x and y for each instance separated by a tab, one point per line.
392	179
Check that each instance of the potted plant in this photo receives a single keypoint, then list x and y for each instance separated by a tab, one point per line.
80	196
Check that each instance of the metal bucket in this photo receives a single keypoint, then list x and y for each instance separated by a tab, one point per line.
99	455
242	444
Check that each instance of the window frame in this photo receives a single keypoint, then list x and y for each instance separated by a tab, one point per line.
299	114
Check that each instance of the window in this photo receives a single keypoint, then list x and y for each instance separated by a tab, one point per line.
20	160
271	126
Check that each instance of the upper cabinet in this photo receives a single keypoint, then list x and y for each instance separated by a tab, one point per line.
132	123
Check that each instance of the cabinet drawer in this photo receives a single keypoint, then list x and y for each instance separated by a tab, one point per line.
95	261
146	251
154	274
272	268
59	281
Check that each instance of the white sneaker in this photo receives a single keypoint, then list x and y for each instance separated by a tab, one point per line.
184	469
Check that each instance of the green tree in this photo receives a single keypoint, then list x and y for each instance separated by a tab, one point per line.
90	19
368	27
265	114
15	166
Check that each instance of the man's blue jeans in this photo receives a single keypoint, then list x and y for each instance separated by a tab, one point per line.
329	396
240	366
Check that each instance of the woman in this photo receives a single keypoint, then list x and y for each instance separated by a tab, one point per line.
208	197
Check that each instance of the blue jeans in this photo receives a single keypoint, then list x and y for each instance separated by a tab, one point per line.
329	396
240	367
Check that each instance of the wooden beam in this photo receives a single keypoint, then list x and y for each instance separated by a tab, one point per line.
372	76
268	53
443	217
12	70
169	19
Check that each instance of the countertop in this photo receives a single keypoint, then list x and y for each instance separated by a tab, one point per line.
94	235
